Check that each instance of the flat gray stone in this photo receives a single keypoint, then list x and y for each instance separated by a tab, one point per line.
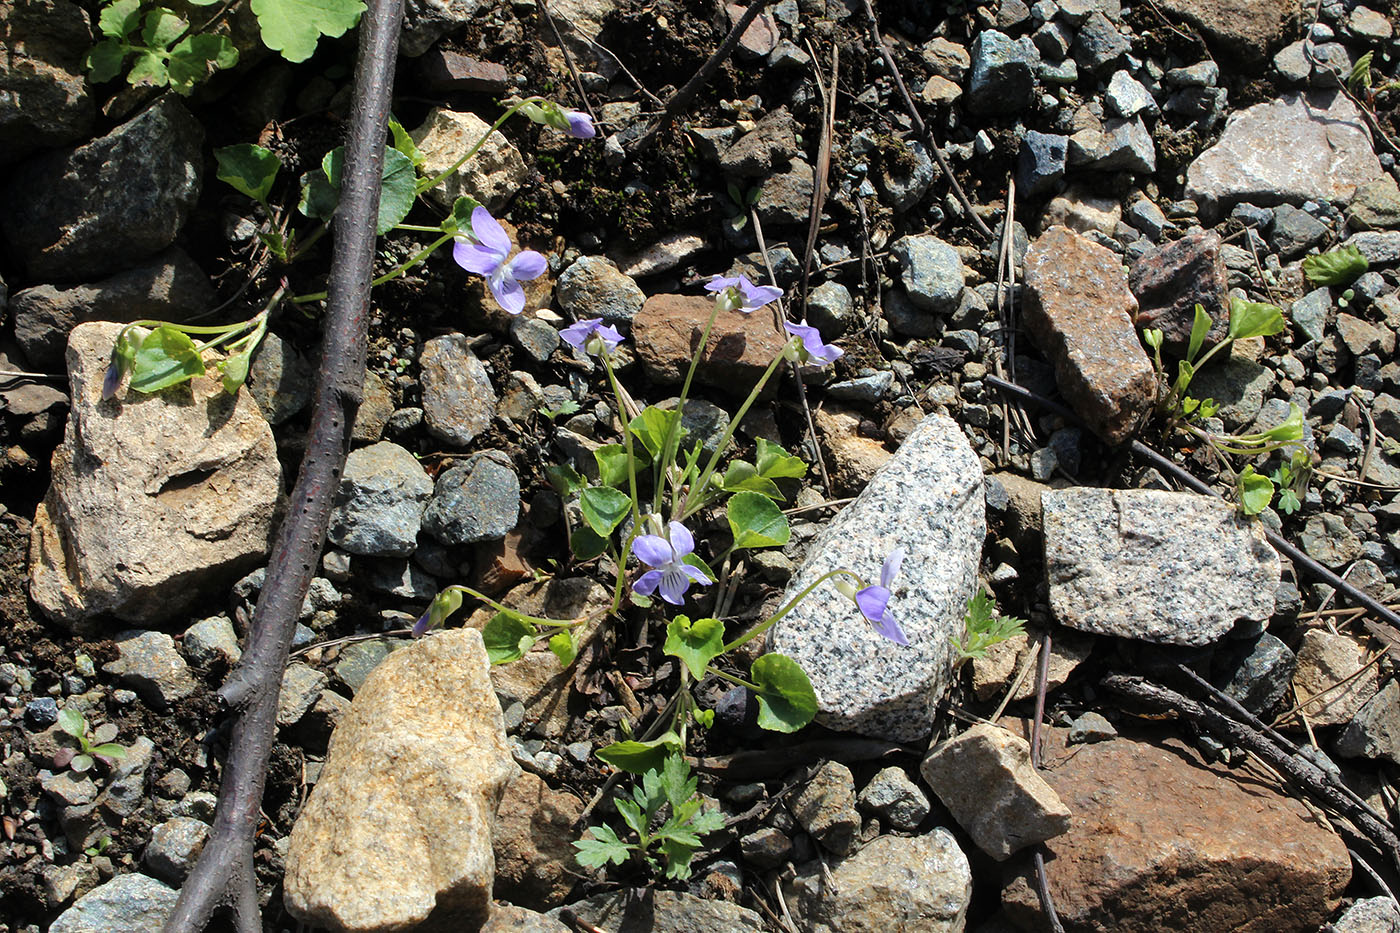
1375	730
174	848
131	903
458	400
655	910
932	272
594	287
379	506
1119	561
475	501
928	499
149	664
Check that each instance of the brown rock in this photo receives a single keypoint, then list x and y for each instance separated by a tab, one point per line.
1169	282
534	836
1162	841
1361	337
1080	312
1326	660
444	70
768	146
1245	31
994	674
760	37
507	918
667	330
851	457
397	833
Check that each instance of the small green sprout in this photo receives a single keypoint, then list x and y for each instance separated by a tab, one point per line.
985	627
566	407
92	745
666	800
1340	266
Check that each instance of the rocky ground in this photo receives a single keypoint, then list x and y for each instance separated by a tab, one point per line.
1121	162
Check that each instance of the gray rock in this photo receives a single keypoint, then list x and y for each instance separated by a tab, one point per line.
69	789
830	309
475	501
302	685
921	883
895	799
1375	730
1238	386
458	400
593	287
904	188
1126	145
946	58
210	640
927	499
1108	553
1126	97
665	254
769	146
280	379
932	272
379	505
1327	539
130	903
43	92
149	664
1041	164
199	805
170	287
909	319
376	408
174	847
1202	74
395	576
537	338
1169	282
357	660
1099	44
75	215
766	847
1376	206
426	21
985	779
1258	674
1089	727
826	808
1381	248
1291	149
655	910
1325	662
1002	78
787	198
1309	313
867	389
1370	915
1296	231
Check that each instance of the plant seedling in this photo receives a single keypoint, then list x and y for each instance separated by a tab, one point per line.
92	746
985	627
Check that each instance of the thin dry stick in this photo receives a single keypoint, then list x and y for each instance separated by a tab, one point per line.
1031	657
919	126
819	189
1042	878
568	59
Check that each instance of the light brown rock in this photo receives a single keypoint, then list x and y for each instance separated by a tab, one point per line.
1080	312
667	330
397	833
1162	841
1246	31
851	458
507	918
985	779
491	176
534	836
157	502
993	675
1326	660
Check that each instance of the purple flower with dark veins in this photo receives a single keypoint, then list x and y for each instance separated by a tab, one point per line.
873	601
591	336
812	349
488	253
669	573
737	293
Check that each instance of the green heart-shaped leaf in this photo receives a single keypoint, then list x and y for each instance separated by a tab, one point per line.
786	701
696	643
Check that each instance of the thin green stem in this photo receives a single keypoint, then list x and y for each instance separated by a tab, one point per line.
388	276
515	613
419	228
626	438
672	441
738	681
430	183
764	626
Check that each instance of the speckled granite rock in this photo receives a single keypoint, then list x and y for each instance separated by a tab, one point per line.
1167	567
1370	915
1080	312
408	792
914	883
985	779
928	499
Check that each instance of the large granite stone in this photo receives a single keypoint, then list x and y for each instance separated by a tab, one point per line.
397	832
1080	312
156	502
1168	567
927	499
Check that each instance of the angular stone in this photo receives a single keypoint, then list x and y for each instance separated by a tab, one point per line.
458	400
932	272
491	176
985	779
1376	205
851	458
534	838
1325	661
1110	552
896	799
593	287
1291	149
1126	145
1169	282
1162	841
656	910
1375	730
826	808
75	215
908	883
993	675
302	686
1238	386
43	95
475	501
1041	164
1244	31
667	330
408	791
667	253
1099	43
148	663
1002	79
787	198
768	146
130	903
1370	915
1080	312
282	382
174	847
444	70
379	506
928	500
157	502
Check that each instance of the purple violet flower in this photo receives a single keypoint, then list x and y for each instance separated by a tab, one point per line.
580	125
739	294
488	253
112	381
812	349
580	336
873	601
670	573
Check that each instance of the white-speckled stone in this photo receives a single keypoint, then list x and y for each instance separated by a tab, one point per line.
1168	567
929	500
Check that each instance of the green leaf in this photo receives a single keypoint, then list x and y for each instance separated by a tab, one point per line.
742	476
72	722
677	783
786	701
696	643
319	197
776	463
81	763
1360	76
192	57
563	646
603	848
167	357
650	427
104	61
603	508
1288	501
398	190
1256	491
1185	372
1200	327
104	733
404	143
1153	338
585	544
1340	266
612	465
633	815
321	191
249	168
147	70
162	28
108	750
756	521
565	479
1254	319
678	854
119	19
460	220
235	370
507	638
293	27
442	607
639	757
1289	429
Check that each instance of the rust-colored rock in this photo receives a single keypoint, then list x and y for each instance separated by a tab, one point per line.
1169	282
1246	31
667	330
1162	841
1080	312
534	836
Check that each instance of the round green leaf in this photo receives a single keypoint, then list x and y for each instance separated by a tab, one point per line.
167	357
586	544
786	701
695	643
507	638
248	168
636	756
71	721
104	60
756	521
1256	491
603	508
563	646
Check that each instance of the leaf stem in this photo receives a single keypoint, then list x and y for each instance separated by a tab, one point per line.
764	626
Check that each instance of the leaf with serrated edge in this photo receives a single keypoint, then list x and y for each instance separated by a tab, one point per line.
293	27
